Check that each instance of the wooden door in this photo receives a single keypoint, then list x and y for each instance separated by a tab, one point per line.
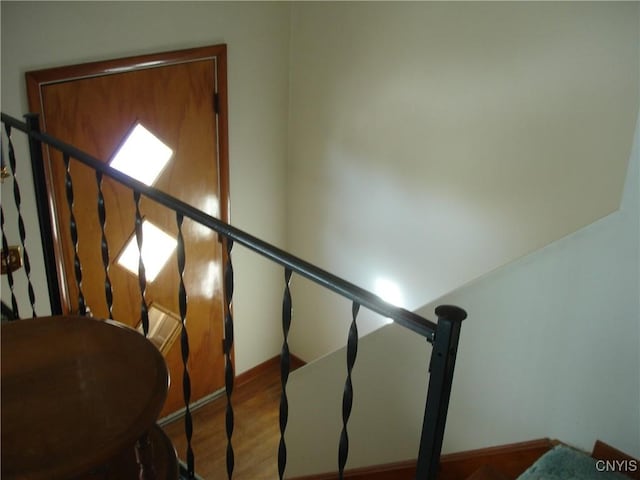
180	97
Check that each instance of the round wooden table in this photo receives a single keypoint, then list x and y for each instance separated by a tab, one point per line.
76	393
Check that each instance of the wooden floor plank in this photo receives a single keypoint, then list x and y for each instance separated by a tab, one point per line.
256	403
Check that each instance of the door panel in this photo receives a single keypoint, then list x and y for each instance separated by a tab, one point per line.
93	107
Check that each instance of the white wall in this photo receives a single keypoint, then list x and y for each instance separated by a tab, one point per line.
551	348
41	35
431	142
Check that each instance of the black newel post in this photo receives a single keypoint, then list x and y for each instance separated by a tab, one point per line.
443	360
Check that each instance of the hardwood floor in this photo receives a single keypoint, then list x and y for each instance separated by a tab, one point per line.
256	404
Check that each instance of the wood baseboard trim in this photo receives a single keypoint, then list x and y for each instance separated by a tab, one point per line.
388	471
487	473
268	365
623	463
510	460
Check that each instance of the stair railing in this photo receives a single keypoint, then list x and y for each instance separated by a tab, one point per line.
443	335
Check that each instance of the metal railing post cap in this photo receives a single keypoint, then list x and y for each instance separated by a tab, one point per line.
451	312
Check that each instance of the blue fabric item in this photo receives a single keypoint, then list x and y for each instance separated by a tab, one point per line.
565	463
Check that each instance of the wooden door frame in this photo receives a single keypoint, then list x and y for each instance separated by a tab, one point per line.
37	80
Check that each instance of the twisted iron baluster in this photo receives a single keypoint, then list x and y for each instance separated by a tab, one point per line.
228	345
347	398
285	367
82	308
184	343
102	215
142	277
21	229
5	248
5	242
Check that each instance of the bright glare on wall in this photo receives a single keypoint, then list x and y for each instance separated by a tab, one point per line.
389	292
142	155
157	247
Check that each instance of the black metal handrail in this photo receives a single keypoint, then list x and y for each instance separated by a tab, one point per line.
403	317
